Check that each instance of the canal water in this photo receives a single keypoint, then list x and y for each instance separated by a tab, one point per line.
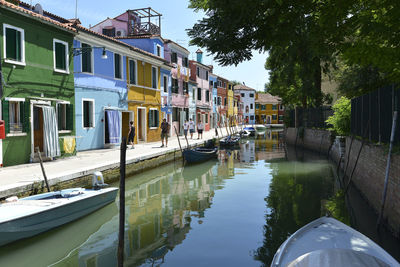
232	211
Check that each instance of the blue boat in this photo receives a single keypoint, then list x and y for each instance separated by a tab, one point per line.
199	154
29	216
229	141
250	129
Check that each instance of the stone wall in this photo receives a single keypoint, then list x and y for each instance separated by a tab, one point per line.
369	173
369	178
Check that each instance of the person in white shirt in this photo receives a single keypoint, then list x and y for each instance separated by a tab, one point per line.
200	128
191	128
185	128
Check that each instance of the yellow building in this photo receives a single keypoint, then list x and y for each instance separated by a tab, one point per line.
267	107
144	97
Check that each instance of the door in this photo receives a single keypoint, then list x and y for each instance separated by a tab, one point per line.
141	123
181	121
38	128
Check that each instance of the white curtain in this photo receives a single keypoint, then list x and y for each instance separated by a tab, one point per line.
50	133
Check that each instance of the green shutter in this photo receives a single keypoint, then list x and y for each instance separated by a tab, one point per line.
25	116
157	118
70	117
58	116
150	118
6	116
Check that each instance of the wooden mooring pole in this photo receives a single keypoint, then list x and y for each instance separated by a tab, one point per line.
41	166
179	142
121	234
387	168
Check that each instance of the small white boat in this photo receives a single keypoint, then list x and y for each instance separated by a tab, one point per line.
260	128
327	242
29	216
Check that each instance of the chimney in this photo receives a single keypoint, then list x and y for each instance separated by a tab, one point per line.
199	56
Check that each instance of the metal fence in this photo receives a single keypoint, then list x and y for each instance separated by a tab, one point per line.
310	117
372	114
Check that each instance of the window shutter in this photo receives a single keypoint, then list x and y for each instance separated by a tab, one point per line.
25	116
6	116
70	117
157	118
150	118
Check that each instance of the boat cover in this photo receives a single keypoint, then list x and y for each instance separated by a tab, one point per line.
336	257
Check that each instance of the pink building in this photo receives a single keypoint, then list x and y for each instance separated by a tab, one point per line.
177	55
200	73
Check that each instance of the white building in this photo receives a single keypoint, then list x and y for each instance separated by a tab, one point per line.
247	97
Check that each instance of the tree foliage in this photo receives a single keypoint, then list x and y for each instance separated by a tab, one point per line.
341	118
304	39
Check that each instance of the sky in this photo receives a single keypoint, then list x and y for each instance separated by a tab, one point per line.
176	18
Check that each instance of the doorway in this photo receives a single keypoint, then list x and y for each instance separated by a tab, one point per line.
141	124
127	116
38	128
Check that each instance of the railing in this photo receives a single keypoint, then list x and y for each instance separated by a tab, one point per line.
372	114
310	117
145	28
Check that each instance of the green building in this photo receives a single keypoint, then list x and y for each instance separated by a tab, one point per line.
37	87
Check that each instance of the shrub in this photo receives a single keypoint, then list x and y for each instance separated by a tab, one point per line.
340	120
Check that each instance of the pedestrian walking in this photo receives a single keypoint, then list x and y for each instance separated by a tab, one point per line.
200	128
131	134
191	128
185	128
164	133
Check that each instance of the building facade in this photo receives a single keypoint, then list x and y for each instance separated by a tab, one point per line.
267	108
37	93
200	73
222	100
214	93
247	97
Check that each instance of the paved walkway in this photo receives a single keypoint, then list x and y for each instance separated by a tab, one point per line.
18	178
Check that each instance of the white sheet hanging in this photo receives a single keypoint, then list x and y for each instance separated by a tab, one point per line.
50	132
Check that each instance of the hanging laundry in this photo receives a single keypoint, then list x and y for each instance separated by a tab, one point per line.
51	144
69	144
114	126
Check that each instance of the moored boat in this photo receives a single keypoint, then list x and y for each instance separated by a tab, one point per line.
260	128
29	216
229	141
199	154
328	242
250	129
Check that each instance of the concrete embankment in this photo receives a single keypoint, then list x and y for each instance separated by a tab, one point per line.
367	172
77	171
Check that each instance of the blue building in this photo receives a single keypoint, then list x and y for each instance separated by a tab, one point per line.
101	110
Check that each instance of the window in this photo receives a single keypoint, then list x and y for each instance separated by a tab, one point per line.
165	84
215	84
117	66
132	72
88	113
247	109
251	106
251	117
257	106
206	118
198	93
64	116
207	96
174	57
224	101
281	107
219	101
154	78
158	50
86	58
14	45
263	107
153	118
194	94
60	56
251	95
175	86
185	87
274	107
109	31
186	62
230	87
274	117
198	71
15	115
280	117
211	83
206	75
242	94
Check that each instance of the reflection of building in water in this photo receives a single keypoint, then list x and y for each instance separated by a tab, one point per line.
247	151
159	211
270	146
